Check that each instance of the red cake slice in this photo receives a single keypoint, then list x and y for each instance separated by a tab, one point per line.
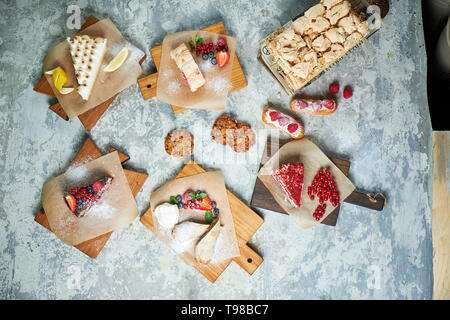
290	177
81	199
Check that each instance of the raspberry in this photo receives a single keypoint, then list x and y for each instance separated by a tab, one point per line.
347	93
274	115
283	121
329	104
97	186
334	88
222	42
292	127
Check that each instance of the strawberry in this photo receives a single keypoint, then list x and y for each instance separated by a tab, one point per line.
222	58
71	202
206	204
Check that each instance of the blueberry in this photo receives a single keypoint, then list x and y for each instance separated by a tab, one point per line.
216	211
214	204
197	192
205	56
178	197
214	61
211	54
180	205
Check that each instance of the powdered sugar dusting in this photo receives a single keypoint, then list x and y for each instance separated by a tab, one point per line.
102	210
220	85
174	87
206	66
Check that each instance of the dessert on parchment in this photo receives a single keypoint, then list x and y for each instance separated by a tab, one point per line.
99	200
193	217
290	178
87	55
189	69
316	40
310	106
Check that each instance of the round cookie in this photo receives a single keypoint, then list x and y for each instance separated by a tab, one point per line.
179	143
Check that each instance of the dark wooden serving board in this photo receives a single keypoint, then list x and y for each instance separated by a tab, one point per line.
262	198
135	179
90	117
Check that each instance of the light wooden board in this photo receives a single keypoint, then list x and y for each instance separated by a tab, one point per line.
135	179
88	118
148	83
441	215
246	223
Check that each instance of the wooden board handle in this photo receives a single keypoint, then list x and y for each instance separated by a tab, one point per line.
249	260
367	200
147	85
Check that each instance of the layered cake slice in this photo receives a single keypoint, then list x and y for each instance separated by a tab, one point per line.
189	69
87	56
290	178
81	199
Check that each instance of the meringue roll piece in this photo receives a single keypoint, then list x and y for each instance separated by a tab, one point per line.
188	67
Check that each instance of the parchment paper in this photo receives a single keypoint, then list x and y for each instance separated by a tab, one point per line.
313	159
214	185
116	208
107	84
172	87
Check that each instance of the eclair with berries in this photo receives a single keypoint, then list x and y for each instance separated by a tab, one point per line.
322	107
285	123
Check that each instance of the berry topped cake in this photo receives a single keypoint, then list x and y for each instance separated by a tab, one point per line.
81	199
290	177
198	201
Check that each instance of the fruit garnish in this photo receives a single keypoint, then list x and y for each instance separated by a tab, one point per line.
66	90
185	197
222	58
197	41
347	93
209	216
173	200
274	115
71	202
292	127
206	204
283	121
334	88
96	186
329	104
59	77
118	60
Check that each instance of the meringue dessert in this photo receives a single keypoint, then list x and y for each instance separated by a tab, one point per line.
316	40
189	69
87	56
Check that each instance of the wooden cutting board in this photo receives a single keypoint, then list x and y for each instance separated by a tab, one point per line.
148	83
90	117
246	223
135	179
262	198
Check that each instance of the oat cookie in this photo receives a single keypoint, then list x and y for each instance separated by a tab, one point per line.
179	143
228	131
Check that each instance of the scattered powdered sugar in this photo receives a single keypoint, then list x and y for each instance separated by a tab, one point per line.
174	87
167	73
220	85
102	210
206	66
222	249
76	173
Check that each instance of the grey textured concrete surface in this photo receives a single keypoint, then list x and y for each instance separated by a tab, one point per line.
384	129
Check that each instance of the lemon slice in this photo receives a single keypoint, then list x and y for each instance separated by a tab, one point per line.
59	77
66	90
118	60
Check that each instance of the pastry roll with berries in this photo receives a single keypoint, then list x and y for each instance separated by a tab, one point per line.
189	69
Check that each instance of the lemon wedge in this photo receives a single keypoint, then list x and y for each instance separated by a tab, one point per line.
66	90
59	77
118	60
